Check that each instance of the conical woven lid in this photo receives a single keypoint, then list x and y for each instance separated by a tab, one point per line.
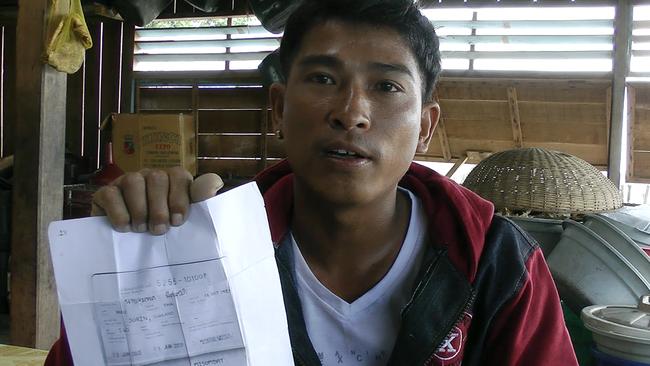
539	180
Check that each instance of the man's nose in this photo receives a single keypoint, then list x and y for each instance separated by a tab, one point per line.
351	109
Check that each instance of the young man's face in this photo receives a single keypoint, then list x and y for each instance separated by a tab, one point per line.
351	112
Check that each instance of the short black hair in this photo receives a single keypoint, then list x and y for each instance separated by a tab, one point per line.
401	15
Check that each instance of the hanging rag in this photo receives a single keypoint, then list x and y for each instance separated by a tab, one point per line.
69	40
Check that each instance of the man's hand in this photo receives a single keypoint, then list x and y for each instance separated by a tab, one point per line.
152	199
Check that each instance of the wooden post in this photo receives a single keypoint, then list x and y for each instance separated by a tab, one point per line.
462	160
622	47
631	141
38	176
515	120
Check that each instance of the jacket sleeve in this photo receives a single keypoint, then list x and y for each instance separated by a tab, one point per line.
59	354
529	329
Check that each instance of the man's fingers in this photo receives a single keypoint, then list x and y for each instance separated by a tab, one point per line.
109	201
205	186
179	194
157	194
134	193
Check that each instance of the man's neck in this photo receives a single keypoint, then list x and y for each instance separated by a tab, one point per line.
350	247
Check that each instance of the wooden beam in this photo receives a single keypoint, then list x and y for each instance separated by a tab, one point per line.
622	49
462	160
444	139
442	131
38	177
608	111
515	120
126	92
631	120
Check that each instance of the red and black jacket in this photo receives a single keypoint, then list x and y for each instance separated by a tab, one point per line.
484	295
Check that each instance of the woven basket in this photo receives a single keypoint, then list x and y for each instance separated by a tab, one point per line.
543	181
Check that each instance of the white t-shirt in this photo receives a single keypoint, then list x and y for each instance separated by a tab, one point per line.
362	332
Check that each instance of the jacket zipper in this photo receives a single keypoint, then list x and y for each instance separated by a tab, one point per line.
465	309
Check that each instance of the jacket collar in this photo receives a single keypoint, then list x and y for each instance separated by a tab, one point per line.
458	218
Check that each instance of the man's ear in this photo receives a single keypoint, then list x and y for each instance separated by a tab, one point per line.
276	96
428	123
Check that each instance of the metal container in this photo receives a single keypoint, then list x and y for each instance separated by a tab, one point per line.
547	232
621	331
587	270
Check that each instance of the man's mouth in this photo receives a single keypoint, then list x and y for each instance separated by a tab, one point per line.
344	154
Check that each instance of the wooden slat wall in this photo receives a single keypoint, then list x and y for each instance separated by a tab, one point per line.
490	115
96	89
234	134
478	115
639	123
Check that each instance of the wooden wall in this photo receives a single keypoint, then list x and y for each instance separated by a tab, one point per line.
479	117
101	87
235	137
639	134
490	115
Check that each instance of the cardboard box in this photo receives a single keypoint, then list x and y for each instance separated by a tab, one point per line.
153	141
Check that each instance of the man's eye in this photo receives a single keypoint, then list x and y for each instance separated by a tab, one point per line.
389	87
322	79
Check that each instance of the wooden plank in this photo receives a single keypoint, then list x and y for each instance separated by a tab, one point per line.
471	89
549	112
241	121
127	87
110	77
641	165
462	160
594	154
608	111
515	120
478	129
631	126
165	98
9	88
469	110
232	98
528	90
92	93
38	177
642	94
567	92
578	133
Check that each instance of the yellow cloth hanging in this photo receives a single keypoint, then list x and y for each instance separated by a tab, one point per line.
69	40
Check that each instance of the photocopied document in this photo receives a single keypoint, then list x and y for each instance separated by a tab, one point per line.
205	293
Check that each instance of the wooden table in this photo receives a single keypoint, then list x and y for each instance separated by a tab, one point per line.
20	356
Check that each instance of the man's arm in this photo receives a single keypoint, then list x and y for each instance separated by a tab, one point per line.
529	329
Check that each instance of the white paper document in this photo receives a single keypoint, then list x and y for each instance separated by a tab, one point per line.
206	293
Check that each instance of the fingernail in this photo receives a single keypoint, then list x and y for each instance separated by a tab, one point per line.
123	228
159	229
141	228
177	219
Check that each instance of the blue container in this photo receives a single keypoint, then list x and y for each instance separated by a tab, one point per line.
603	359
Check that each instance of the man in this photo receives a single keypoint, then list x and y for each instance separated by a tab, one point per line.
382	262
